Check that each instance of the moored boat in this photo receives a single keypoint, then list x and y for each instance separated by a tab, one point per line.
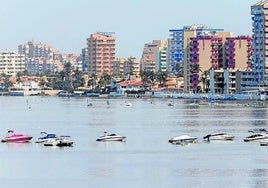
46	138
182	139
111	137
218	136
129	104
16	137
171	103
60	141
256	137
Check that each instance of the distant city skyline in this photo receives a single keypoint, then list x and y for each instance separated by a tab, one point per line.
66	24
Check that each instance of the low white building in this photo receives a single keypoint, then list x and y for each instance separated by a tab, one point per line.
128	86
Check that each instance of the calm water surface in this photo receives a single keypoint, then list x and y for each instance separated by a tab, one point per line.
146	159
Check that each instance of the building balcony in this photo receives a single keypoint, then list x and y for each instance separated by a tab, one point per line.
231	55
231	60
230	49
194	55
195	60
214	60
194	80
194	49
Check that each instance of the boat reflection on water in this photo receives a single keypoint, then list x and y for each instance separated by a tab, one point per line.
19	145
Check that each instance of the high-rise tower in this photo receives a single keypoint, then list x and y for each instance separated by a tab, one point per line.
101	53
259	13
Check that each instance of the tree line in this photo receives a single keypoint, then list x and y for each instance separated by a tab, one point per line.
70	80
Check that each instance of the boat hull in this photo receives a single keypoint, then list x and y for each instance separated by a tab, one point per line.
256	138
17	139
43	140
115	138
46	138
60	142
222	137
182	139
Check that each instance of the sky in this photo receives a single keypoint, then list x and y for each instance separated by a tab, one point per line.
66	24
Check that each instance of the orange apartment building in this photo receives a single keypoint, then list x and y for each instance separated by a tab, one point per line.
101	53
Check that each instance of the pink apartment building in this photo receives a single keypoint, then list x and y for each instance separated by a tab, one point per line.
218	53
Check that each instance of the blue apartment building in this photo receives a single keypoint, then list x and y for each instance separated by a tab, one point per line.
178	42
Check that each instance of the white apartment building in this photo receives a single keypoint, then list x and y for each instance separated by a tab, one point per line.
40	57
11	63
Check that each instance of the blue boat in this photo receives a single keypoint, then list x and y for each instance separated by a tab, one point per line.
46	138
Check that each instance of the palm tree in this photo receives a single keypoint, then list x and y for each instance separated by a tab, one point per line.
67	75
77	78
148	77
6	81
104	81
161	77
178	68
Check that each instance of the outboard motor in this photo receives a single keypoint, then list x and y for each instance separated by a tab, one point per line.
207	137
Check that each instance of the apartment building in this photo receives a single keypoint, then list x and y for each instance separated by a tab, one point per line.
203	53
154	56
11	63
178	42
40	57
259	12
101	53
239	52
127	66
223	53
84	59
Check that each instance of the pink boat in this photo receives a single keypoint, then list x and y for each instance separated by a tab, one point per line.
16	137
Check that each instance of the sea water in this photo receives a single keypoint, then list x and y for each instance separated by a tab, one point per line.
146	159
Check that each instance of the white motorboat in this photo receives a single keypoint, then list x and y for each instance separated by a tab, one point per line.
171	103
182	139
60	141
111	137
256	137
46	137
219	136
129	104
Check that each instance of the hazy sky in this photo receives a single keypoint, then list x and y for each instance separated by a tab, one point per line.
65	24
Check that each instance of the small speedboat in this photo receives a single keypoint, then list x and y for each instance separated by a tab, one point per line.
129	104
60	141
182	139
111	137
46	138
16	137
256	137
171	103
218	136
